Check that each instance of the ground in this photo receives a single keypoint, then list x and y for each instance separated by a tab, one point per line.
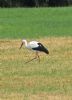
51	79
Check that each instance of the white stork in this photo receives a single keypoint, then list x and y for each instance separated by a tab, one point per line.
36	46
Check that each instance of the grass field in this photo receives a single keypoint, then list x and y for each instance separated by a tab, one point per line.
51	79
35	23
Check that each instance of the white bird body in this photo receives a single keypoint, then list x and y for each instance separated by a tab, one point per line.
32	44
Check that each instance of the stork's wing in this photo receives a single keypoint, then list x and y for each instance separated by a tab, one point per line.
41	48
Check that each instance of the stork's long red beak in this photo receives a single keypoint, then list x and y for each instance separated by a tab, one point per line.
21	45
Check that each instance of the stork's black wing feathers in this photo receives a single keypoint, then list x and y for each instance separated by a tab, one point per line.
41	48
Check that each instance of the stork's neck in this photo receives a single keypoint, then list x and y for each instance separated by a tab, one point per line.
25	43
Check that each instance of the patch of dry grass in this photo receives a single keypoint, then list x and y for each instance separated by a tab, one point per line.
43	96
51	79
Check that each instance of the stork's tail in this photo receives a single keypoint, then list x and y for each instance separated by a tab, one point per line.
46	51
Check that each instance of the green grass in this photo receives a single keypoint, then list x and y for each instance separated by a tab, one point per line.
35	22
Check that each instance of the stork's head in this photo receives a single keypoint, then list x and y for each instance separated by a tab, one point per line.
23	42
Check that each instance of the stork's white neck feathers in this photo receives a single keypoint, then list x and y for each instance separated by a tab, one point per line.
24	42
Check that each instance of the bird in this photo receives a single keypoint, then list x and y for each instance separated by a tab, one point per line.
35	46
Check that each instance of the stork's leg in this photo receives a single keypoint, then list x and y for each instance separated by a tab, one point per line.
30	60
37	56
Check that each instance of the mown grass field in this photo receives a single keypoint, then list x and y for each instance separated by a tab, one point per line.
51	79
